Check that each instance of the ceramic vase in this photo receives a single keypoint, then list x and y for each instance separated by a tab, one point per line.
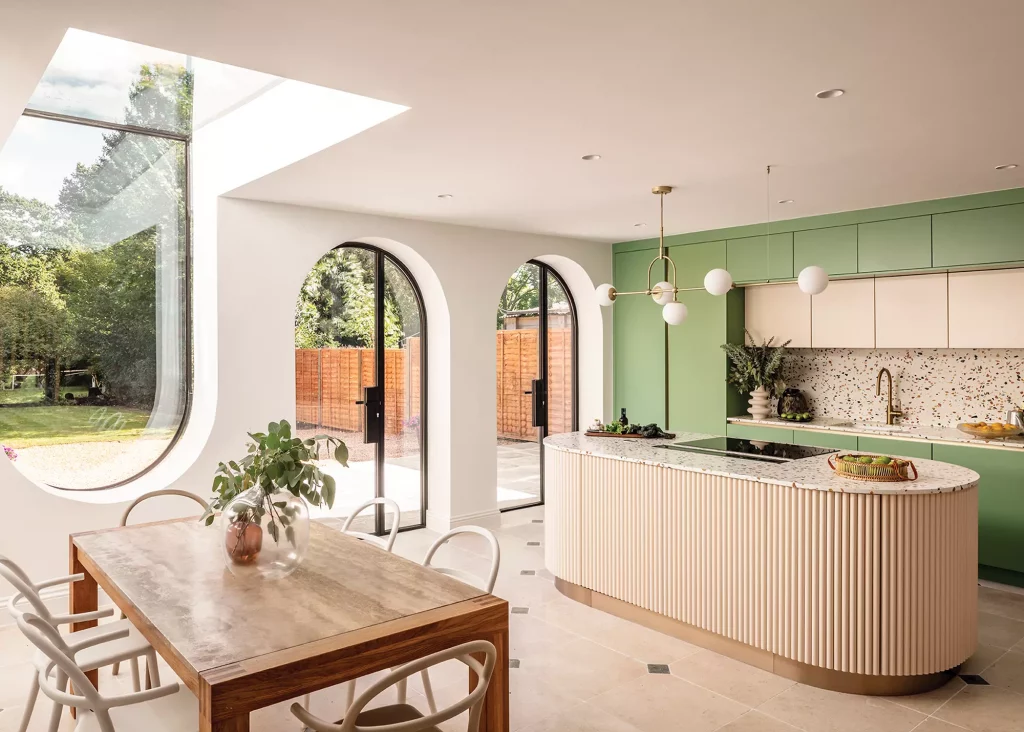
265	535
760	403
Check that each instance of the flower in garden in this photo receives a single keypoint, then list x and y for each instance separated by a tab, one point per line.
10	452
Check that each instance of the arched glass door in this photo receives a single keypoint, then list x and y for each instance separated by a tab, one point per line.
536	378
360	375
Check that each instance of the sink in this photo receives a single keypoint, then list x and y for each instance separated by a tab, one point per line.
882	427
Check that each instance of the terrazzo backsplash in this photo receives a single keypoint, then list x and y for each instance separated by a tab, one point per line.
933	387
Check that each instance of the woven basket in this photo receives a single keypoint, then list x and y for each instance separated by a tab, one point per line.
895	472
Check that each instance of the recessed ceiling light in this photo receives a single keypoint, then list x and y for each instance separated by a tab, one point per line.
445	195
640	224
591	157
786	200
830	93
1007	166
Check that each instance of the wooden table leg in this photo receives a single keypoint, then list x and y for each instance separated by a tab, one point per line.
495	713
83	598
235	724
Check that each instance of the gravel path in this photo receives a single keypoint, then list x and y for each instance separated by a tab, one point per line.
89	464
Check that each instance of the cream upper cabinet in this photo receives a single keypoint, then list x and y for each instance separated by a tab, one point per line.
843	316
779	311
911	312
985	307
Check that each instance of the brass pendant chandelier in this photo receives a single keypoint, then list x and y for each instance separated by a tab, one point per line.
812	280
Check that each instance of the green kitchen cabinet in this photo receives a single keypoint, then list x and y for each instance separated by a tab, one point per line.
693	261
757	432
1000	501
895	245
895	448
833	249
979	236
639	333
837	440
760	258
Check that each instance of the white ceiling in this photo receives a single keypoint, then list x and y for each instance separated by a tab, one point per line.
506	97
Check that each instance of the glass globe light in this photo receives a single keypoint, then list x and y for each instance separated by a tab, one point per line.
674	313
663	294
718	281
605	295
812	280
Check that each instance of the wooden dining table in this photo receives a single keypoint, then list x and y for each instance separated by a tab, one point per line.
243	643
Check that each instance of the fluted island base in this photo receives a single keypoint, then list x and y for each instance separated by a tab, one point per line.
871	593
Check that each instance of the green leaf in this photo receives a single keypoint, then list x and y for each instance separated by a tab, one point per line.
284	430
274	531
341	454
290	533
273	428
273	441
209	519
328	491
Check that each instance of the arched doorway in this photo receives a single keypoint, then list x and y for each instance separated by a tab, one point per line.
360	375
536	348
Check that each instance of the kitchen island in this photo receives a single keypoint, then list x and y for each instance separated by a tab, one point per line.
859	587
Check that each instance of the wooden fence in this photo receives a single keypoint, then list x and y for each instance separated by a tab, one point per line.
329	381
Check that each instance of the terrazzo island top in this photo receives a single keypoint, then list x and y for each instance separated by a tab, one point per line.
872	429
812	473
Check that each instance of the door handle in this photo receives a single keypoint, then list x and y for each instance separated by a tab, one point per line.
527	392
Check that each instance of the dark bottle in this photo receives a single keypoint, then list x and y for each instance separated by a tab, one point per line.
624	420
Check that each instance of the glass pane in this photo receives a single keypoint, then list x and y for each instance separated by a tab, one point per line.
560	359
110	80
334	362
518	319
403	424
92	291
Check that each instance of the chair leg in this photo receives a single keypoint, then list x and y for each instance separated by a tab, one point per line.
350	694
428	691
30	703
117	668
134	663
402	687
152	670
58	708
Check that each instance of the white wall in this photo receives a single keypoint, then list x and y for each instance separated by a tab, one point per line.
263	252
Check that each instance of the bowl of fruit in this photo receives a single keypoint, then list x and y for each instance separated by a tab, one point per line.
877	468
796	416
990	430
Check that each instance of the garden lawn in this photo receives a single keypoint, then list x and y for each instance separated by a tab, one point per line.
34	396
32	426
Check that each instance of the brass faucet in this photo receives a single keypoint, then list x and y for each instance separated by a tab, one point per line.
890	413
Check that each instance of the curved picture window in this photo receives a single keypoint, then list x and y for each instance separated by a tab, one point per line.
94	282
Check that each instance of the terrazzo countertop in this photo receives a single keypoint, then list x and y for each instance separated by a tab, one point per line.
873	429
812	473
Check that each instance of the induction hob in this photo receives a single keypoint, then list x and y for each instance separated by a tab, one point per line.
772	452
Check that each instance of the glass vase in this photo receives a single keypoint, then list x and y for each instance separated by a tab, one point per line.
265	534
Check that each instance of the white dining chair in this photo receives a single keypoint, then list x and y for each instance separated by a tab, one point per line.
128	647
404	717
159	709
384	542
481	583
124	522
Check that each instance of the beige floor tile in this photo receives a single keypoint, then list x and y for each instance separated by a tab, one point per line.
937	725
532	701
14	648
984	657
529	636
736	680
583	717
928	702
755	721
1008	672
526	590
985	709
582	669
660	702
999	631
1008	604
829	711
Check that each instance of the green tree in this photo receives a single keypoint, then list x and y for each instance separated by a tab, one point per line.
33	329
521	293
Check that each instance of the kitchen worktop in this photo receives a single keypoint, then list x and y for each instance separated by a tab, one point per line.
874	429
812	473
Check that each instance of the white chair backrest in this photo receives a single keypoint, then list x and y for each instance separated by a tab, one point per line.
86	696
381	541
487	585
25	590
473	702
164	492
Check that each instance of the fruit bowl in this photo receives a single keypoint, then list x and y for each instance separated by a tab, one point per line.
990	430
796	416
876	468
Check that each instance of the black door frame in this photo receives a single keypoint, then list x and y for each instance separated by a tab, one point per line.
379	257
542	363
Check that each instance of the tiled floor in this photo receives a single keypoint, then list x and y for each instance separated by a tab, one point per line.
580	670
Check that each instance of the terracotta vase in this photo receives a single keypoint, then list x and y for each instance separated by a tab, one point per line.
243	541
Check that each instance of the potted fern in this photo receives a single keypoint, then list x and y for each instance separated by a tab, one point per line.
755	370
